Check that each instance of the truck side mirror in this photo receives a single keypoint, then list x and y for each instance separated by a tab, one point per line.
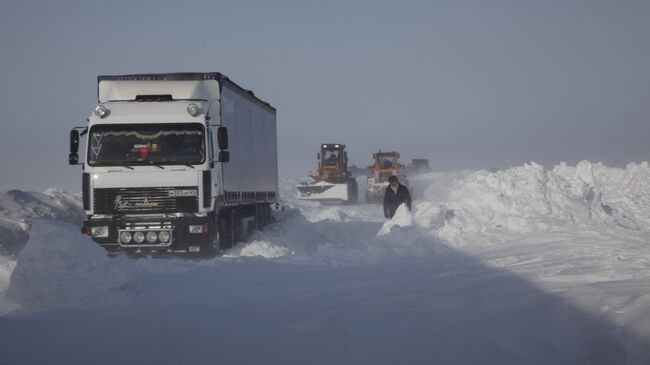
74	141
224	156
73	157
222	138
318	156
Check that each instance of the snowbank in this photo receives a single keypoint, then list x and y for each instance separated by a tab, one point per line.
6	267
495	206
19	208
59	264
355	235
61	267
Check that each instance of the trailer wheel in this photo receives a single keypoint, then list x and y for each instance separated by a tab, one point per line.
225	224
263	214
237	230
259	216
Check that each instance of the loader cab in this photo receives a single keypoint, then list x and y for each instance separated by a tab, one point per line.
333	156
386	164
330	157
333	182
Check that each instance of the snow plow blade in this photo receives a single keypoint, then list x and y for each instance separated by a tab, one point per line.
375	191
324	192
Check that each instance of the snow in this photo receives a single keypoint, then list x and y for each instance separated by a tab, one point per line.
495	206
402	218
6	268
263	249
61	266
524	265
19	208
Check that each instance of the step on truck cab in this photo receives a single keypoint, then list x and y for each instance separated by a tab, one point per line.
176	163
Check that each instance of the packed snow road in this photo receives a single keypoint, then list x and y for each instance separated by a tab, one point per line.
520	266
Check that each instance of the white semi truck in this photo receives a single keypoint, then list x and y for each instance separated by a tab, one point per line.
176	163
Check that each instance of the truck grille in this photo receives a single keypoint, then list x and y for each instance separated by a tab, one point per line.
146	200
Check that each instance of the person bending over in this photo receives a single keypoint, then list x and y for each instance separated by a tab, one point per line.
395	195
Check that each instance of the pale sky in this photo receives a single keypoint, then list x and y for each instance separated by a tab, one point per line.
468	84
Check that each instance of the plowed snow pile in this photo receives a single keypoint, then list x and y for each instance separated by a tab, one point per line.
495	206
18	209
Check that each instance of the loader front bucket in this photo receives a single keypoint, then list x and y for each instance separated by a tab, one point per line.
323	192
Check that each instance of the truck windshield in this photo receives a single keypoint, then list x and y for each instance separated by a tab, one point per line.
146	144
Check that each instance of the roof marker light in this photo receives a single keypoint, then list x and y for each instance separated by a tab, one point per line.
101	111
194	109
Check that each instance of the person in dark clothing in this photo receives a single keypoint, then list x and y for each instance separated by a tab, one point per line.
396	194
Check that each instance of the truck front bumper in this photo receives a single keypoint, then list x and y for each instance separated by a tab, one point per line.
187	234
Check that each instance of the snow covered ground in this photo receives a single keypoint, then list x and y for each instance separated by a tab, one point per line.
517	266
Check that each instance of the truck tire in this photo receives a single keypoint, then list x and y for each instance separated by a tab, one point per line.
211	248
262	216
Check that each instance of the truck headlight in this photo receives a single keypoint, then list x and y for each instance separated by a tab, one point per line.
99	231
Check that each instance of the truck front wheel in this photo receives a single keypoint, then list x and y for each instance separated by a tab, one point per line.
225	228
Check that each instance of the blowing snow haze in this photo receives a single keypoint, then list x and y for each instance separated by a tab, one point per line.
506	255
468	84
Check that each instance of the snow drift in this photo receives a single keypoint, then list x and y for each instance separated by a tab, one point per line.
61	267
18	209
495	206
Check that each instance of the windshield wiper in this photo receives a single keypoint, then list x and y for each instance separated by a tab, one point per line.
173	162
128	167
158	166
